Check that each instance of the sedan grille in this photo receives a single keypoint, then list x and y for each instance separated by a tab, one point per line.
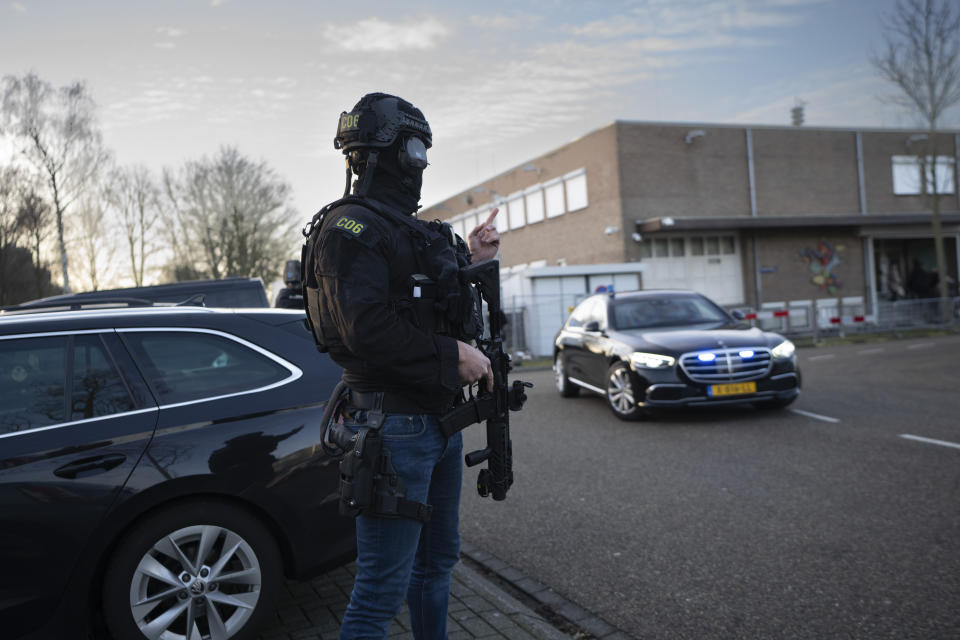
726	365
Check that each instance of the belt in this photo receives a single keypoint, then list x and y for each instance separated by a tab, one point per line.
385	401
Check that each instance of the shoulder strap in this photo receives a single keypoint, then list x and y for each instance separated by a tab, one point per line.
411	224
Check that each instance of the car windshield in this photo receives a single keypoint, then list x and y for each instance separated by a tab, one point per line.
667	311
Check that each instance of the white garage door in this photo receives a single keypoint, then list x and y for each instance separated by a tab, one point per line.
709	264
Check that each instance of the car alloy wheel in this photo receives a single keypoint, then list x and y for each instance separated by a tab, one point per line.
620	392
204	576
566	388
207	581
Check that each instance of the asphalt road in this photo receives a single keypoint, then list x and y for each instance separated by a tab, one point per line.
738	523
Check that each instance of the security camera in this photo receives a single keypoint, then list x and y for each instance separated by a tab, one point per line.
611	230
636	237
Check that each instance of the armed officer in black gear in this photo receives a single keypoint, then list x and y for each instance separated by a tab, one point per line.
382	296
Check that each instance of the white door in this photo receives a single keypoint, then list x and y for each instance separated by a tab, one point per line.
708	264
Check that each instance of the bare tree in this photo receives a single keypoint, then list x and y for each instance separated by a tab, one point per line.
95	249
231	216
135	197
57	133
922	60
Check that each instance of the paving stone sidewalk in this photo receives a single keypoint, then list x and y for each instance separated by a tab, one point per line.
312	610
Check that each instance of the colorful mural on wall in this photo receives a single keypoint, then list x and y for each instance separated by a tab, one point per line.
822	261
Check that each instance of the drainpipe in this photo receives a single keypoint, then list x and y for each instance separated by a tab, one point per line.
860	181
751	180
869	258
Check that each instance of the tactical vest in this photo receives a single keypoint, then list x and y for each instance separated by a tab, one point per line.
443	302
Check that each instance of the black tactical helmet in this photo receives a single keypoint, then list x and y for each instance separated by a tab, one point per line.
377	120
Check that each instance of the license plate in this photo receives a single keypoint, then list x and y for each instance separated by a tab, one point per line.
735	389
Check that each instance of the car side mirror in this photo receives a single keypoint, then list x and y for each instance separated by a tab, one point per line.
736	313
593	326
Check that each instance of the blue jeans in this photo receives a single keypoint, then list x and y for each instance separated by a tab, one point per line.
399	557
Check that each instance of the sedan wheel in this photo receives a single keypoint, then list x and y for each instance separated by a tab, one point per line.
620	393
566	388
203	571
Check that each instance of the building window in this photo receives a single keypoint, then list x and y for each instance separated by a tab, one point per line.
501	219
553	193
908	175
576	188
534	202
684	246
713	246
515	210
469	222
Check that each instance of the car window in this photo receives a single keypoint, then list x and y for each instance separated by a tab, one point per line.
663	312
96	387
32	375
185	365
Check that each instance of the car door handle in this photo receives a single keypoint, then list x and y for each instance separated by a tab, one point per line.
85	466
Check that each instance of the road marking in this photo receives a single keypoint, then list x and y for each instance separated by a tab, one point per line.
869	351
815	416
922	345
942	443
825	356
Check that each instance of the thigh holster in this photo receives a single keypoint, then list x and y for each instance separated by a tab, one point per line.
369	483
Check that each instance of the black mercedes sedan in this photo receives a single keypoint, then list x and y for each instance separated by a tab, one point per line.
662	348
161	471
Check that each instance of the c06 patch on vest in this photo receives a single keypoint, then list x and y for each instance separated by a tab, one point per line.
349	225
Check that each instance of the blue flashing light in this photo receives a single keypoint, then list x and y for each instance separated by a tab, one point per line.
747	354
707	357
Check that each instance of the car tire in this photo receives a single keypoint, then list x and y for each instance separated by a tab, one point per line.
566	388
622	392
772	405
238	577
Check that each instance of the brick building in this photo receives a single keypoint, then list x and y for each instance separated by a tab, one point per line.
751	216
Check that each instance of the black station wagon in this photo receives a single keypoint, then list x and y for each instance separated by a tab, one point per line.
161	471
647	349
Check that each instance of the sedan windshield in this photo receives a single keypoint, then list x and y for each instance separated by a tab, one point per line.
665	312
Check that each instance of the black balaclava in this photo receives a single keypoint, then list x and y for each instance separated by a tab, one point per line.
391	185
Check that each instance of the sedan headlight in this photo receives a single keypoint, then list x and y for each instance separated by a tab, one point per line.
784	350
651	360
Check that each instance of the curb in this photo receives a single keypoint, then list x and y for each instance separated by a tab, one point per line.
563	614
518	612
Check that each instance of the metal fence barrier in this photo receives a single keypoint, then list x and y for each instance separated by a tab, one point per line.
832	317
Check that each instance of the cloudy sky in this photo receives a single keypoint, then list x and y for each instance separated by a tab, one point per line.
500	82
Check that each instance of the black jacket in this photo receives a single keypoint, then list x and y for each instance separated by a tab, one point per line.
363	267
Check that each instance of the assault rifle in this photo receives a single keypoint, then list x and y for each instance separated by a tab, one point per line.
495	406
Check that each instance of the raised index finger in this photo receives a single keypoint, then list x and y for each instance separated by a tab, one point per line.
493	214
